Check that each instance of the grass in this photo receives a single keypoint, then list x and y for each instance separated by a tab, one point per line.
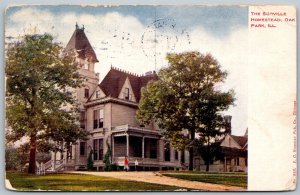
233	179
78	182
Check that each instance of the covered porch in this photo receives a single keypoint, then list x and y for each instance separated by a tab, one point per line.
138	144
235	160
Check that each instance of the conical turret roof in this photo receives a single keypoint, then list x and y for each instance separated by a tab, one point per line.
80	43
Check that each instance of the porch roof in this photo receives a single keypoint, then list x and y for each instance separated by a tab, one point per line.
127	129
234	152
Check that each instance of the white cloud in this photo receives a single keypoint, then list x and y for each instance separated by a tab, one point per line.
124	42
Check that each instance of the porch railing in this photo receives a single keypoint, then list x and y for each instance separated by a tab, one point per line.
141	161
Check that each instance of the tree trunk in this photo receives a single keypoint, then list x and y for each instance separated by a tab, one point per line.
31	168
207	167
191	151
32	153
208	158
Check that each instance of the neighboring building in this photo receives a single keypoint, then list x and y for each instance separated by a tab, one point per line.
232	155
108	112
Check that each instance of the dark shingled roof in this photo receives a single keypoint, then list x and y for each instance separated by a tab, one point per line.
81	44
113	82
241	140
233	152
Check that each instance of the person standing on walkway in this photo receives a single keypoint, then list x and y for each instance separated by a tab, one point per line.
126	164
136	163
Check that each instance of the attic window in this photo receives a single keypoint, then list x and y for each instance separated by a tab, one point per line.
97	94
86	93
126	94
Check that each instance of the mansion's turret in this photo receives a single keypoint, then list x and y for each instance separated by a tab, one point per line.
85	59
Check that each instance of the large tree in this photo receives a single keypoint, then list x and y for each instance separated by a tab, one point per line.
186	98
39	100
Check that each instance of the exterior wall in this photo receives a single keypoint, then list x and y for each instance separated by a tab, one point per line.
91	81
122	115
79	159
100	133
107	117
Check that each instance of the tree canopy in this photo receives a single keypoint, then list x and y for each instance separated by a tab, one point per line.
39	99
186	99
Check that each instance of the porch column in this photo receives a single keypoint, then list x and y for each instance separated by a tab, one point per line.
143	147
73	148
127	145
172	154
179	156
161	150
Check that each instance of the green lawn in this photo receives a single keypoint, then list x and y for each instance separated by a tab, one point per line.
234	179
77	182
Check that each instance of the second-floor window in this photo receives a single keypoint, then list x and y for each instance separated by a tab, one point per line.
82	119
86	93
98	118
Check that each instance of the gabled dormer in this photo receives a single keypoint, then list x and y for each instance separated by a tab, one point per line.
230	142
233	141
126	92
98	94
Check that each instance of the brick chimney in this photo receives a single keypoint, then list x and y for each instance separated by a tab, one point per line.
227	119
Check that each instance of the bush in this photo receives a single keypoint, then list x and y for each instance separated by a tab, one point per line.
112	167
12	159
108	166
90	163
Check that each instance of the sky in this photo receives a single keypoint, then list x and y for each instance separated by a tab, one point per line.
137	38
